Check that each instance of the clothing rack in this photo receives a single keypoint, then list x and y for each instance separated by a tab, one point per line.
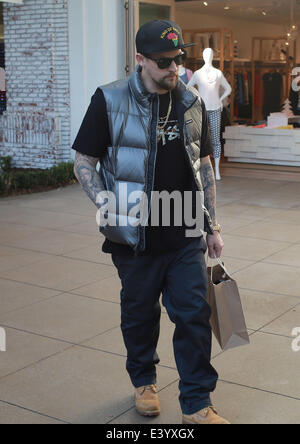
260	65
241	67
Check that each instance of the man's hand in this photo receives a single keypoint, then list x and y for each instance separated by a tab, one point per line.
215	245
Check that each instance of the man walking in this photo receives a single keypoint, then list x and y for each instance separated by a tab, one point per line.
151	134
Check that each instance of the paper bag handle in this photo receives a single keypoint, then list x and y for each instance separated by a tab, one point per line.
221	264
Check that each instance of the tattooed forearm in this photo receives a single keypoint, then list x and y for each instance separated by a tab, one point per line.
86	173
209	186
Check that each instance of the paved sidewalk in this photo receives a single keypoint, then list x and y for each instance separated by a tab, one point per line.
59	305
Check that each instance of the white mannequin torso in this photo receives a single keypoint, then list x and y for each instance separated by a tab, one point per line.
209	82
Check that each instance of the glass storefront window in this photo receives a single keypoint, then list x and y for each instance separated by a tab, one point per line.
149	11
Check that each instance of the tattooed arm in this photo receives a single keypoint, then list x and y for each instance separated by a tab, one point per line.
87	175
214	242
209	187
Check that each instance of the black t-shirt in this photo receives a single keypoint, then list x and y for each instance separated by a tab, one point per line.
172	171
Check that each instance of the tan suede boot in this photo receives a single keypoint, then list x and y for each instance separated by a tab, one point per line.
146	400
206	416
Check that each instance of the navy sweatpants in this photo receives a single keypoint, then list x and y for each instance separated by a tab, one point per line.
181	278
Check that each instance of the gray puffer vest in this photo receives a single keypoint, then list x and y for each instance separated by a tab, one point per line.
133	118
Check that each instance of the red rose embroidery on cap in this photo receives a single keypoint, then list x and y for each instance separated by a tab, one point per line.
174	37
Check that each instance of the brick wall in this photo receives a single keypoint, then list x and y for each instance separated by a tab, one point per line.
35	129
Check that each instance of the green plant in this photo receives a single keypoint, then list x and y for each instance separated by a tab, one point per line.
5	182
63	172
30	180
2	184
5	163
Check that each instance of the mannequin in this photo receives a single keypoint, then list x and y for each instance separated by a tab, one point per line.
209	82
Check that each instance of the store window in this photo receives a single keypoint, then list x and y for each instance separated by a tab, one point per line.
2	64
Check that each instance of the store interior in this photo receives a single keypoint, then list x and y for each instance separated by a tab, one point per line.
253	43
256	45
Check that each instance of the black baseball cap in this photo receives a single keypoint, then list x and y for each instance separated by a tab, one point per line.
160	36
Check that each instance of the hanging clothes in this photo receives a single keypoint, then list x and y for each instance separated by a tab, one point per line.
247	92
273	90
243	95
259	90
295	101
241	89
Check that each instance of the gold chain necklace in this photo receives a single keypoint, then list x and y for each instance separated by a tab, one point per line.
160	128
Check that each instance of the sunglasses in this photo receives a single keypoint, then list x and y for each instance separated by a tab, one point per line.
166	62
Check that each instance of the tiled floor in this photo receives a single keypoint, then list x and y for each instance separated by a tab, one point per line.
59	306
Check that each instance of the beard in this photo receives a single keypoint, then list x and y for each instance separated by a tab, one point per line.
168	84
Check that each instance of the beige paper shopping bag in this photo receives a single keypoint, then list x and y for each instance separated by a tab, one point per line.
227	318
